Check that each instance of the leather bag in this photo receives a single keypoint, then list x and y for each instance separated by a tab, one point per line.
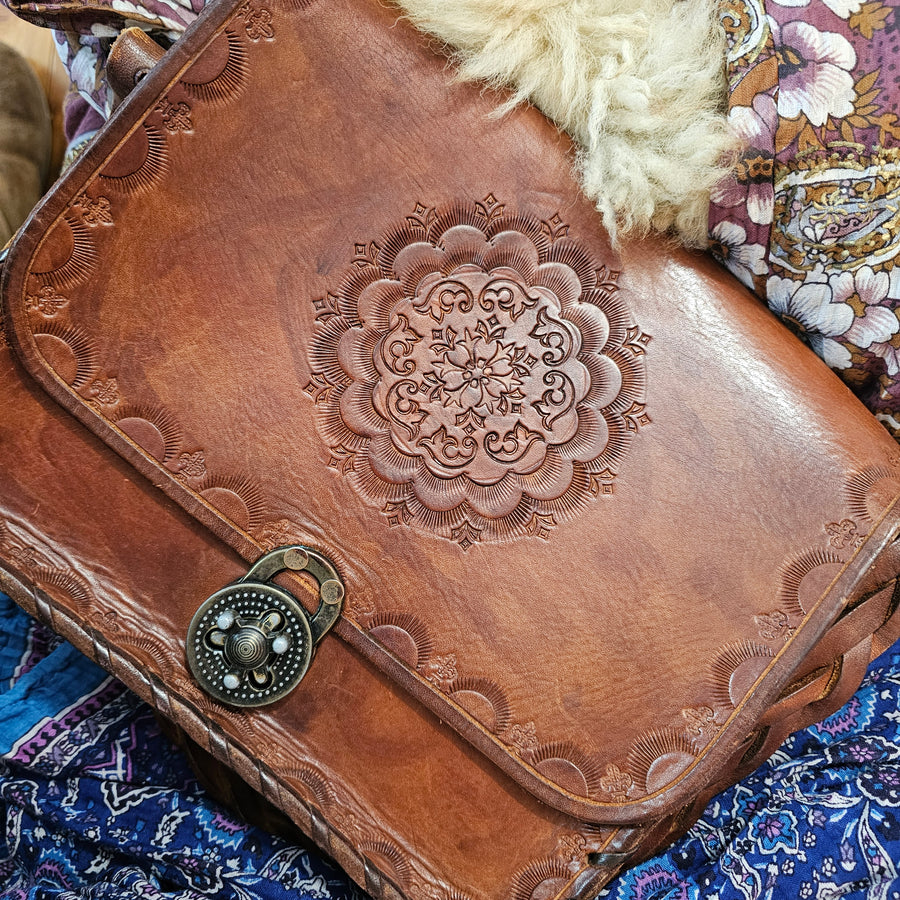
518	546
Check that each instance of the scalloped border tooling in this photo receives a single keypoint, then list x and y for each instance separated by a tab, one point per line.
477	375
681	744
75	355
148	144
864	495
229	81
74	236
546	878
606	782
597	340
139	162
101	390
37	559
733	670
172	119
549	877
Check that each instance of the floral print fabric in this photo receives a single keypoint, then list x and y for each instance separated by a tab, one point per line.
820	819
810	218
84	32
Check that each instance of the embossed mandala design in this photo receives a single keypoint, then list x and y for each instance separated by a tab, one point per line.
477	375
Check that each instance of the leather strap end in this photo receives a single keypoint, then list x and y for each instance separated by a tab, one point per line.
131	57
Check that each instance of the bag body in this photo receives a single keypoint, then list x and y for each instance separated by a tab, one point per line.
603	531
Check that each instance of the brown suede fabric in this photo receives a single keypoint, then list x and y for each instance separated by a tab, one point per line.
24	141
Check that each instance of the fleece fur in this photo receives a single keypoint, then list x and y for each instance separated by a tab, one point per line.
638	84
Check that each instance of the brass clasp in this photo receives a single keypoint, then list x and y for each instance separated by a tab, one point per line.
252	642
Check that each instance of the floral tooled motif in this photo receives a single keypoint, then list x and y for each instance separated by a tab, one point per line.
699	719
105	391
616	783
175	116
278	534
571	847
774	626
94	211
477	373
46	302
442	671
21	548
361	608
843	534
523	739
480	371
257	22
192	465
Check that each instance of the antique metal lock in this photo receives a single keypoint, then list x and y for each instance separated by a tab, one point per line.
251	642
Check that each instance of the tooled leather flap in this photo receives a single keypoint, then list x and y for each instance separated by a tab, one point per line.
591	507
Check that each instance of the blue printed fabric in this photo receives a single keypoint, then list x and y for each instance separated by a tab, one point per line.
97	803
820	819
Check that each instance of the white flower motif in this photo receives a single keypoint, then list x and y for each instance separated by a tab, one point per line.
83	69
891	424
889	351
728	242
139	14
808	307
864	290
316	888
814	72
752	182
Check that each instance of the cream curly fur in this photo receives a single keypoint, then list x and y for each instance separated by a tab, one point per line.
638	84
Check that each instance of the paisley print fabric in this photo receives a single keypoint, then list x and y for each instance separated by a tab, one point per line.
820	819
810	218
96	803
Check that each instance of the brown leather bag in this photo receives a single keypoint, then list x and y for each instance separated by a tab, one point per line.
600	531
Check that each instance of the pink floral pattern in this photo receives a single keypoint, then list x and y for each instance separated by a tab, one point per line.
83	33
810	218
752	182
814	69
